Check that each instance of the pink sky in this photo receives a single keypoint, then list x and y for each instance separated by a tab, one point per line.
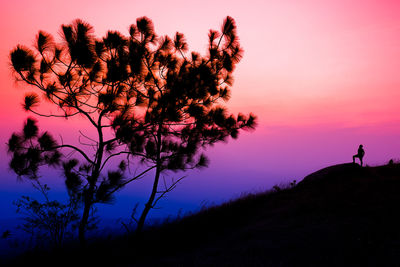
322	76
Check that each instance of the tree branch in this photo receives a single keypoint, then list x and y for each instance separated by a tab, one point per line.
130	180
78	150
166	190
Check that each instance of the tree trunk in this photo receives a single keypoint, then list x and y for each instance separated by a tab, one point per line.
88	202
83	223
149	203
88	196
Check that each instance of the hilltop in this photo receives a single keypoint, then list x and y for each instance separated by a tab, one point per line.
342	215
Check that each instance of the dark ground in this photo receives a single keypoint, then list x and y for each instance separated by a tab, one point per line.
343	215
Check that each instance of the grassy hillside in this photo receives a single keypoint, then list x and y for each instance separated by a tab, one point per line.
343	215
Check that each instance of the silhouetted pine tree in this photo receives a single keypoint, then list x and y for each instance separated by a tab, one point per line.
180	98
161	103
80	76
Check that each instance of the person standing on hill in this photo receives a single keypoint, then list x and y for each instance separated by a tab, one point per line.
359	155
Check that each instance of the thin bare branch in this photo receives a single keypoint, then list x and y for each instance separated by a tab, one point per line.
167	190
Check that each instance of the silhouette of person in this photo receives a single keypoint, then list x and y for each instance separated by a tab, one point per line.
360	155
